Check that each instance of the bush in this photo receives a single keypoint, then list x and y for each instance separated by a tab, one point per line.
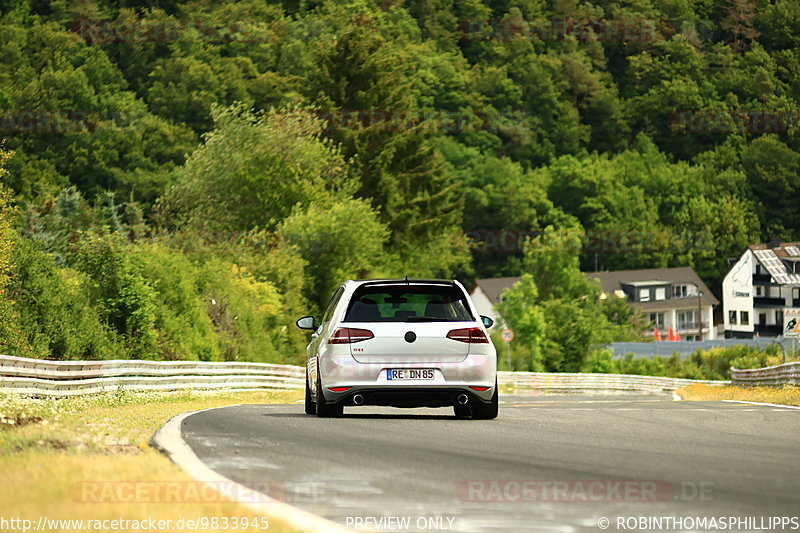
599	362
126	299
184	328
56	311
713	364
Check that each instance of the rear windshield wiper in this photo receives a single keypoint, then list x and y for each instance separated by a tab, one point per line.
427	319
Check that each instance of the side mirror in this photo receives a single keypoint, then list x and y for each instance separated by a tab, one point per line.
487	322
307	322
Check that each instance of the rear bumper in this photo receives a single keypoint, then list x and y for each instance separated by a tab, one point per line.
451	379
408	396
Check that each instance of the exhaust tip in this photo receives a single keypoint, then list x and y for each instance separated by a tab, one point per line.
463	399
358	399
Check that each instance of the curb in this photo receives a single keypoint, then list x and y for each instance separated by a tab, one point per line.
169	441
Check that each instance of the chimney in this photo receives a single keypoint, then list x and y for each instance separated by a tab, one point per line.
775	243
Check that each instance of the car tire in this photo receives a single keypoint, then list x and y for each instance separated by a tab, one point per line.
326	410
311	405
483	411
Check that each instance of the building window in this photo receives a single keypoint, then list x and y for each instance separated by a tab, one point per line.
644	295
679	291
796	294
744	318
686	319
732	317
661	293
759	291
656	320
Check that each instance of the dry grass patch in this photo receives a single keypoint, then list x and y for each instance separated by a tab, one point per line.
50	450
784	395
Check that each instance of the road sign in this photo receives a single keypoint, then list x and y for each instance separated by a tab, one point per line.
791	323
507	335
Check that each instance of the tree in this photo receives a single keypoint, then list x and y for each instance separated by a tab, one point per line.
6	232
365	85
253	169
12	339
563	315
338	240
773	174
739	22
522	314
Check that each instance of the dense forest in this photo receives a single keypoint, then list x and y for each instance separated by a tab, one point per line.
183	179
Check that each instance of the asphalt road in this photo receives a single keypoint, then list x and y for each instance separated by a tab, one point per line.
548	463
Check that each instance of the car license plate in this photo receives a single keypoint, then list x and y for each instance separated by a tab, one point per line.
408	373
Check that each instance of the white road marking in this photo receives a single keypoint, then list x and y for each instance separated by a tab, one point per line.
169	440
782	407
553	408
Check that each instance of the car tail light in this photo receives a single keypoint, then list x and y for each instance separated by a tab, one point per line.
350	335
338	389
479	389
470	335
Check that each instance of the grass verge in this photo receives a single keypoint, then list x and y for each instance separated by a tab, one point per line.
52	450
784	395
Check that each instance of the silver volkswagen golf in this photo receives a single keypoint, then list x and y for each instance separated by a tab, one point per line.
401	343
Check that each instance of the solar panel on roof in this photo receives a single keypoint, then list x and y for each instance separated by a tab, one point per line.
794	251
775	267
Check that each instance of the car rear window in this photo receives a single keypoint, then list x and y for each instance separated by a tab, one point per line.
408	303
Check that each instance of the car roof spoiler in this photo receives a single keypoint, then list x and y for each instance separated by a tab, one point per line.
407	281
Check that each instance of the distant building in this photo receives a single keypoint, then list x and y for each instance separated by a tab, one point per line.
667	297
487	293
759	289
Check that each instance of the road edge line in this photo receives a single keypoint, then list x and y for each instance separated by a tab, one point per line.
764	404
169	441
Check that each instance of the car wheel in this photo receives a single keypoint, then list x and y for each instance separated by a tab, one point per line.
326	410
483	411
311	406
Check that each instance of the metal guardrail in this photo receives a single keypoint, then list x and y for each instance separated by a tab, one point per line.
521	381
785	374
66	378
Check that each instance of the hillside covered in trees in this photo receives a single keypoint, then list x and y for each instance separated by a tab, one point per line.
183	179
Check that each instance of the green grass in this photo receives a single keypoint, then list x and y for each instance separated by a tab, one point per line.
48	447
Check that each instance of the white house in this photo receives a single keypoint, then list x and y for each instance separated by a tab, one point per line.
761	290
